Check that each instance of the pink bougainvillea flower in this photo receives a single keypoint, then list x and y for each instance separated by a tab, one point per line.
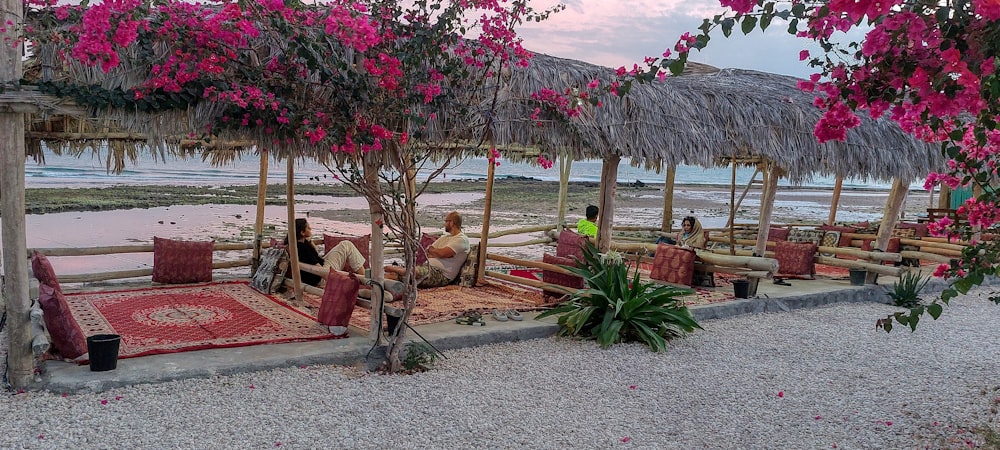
819	417
781	394
803	55
632	387
104	401
626	440
888	423
252	386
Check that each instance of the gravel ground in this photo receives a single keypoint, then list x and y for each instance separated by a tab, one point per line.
820	378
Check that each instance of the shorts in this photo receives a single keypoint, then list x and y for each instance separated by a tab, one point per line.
431	276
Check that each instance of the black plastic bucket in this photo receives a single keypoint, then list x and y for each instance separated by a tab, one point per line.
391	323
741	288
858	277
103	350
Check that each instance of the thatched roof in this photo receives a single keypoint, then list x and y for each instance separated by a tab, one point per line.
706	118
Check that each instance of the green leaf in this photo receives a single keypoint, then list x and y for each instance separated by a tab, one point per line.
793	26
798	9
935	309
677	67
765	20
727	26
749	23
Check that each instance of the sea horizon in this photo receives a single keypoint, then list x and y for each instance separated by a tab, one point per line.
62	171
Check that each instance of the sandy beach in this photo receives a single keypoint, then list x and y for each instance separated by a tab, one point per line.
516	203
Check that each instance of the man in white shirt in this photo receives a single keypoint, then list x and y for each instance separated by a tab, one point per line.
445	256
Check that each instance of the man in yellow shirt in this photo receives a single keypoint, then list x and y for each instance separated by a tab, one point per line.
588	226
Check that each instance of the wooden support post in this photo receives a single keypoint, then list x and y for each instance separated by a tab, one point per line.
668	201
609	184
20	365
944	198
732	210
835	203
892	206
376	257
487	211
771	175
258	224
293	234
565	163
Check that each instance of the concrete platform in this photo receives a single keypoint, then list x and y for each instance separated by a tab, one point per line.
61	376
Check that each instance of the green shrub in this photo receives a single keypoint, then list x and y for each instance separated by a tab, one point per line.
618	308
906	290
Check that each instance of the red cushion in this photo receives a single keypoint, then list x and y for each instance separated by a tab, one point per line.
571	244
425	242
920	229
339	297
795	258
892	247
43	270
182	261
673	264
562	279
777	234
363	244
66	334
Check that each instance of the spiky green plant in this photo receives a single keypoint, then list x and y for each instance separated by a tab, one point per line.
619	308
906	290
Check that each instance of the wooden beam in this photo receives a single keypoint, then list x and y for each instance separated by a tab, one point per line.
258	223
609	184
20	362
771	175
487	211
565	165
835	203
668	201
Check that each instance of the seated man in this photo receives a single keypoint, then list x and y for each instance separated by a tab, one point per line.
344	257
588	226
445	256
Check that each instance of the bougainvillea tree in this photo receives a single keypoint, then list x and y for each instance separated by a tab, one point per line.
371	88
931	66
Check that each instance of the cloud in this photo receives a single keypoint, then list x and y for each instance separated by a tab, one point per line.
622	33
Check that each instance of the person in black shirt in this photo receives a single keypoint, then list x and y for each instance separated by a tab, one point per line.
344	257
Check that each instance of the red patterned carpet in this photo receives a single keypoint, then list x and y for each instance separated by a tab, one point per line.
446	303
183	318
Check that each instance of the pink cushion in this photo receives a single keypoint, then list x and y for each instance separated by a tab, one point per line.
339	297
571	244
363	244
795	258
425	241
66	334
43	270
562	279
182	261
673	264
777	234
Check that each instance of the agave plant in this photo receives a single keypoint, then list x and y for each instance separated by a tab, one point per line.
617	307
906	290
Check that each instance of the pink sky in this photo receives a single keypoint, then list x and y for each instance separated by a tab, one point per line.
621	32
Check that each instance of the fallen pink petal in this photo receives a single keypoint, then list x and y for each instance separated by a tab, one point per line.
819	417
781	394
626	440
104	401
632	387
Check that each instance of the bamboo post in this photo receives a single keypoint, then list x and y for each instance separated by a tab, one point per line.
376	256
565	163
293	234
835	203
771	175
746	189
892	206
258	224
668	201
20	365
732	208
944	197
487	211
609	184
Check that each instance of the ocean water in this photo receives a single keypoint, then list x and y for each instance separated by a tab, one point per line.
90	171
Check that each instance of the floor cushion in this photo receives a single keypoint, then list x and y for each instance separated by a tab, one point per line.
362	243
339	297
561	279
796	258
67	336
426	240
777	234
42	268
270	274
831	239
571	244
182	261
673	264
